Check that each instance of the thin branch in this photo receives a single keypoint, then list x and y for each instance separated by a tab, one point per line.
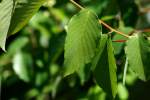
76	4
112	29
139	31
119	40
101	22
144	10
110	32
145	30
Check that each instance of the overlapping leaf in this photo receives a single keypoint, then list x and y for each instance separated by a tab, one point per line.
81	41
6	7
138	53
14	15
23	12
105	68
100	49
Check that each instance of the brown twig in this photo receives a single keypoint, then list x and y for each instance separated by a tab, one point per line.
146	30
139	31
112	29
119	41
144	10
79	6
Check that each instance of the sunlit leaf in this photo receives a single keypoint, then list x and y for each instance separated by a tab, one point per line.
6	8
138	53
83	32
22	65
122	92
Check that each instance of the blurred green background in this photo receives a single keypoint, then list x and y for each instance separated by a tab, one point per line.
31	69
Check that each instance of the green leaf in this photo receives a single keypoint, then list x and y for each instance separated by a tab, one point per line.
41	78
138	53
84	73
123	92
22	65
13	48
24	10
81	42
6	7
118	47
96	93
16	45
100	49
105	71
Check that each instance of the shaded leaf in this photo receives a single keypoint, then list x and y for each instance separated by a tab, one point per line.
41	78
96	93
81	41
16	45
6	7
105	71
84	73
100	49
13	48
138	53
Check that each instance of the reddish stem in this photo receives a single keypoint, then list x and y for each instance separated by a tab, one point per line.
119	40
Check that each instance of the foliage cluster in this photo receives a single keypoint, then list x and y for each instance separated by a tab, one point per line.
61	53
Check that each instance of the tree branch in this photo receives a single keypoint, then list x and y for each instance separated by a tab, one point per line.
76	4
112	29
101	22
